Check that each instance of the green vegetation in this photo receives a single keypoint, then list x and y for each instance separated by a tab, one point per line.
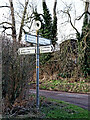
65	86
84	47
48	29
59	109
50	108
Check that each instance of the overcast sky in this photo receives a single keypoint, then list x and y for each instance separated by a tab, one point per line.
62	31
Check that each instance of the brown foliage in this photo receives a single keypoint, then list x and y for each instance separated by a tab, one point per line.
16	72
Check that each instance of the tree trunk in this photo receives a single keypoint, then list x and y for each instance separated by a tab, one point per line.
13	21
22	21
54	9
87	9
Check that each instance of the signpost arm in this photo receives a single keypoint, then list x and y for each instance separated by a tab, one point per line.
37	70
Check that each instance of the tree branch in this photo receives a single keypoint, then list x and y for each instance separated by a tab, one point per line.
29	27
5	28
4	6
67	12
84	39
72	23
22	21
6	23
82	15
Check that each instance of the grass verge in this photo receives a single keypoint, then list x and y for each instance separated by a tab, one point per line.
59	109
51	109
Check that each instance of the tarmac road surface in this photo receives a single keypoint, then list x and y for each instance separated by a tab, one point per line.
81	100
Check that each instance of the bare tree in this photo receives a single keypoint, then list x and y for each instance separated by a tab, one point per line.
24	17
83	37
15	80
67	11
22	21
13	21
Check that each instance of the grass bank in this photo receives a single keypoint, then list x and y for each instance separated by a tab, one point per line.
65	86
52	109
59	109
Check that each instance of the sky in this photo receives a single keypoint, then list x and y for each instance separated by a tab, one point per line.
64	31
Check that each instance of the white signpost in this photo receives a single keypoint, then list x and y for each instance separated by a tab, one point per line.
46	49
32	50
26	50
32	39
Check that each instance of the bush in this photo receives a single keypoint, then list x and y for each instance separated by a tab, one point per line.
16	70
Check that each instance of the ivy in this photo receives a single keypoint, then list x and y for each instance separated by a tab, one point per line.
84	47
48	29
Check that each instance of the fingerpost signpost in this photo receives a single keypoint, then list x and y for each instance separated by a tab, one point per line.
36	39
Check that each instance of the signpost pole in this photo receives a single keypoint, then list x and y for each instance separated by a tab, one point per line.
37	70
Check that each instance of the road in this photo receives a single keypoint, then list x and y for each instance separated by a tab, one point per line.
80	100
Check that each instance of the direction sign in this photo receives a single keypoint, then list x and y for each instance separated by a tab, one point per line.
32	39
31	50
46	49
26	50
44	41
